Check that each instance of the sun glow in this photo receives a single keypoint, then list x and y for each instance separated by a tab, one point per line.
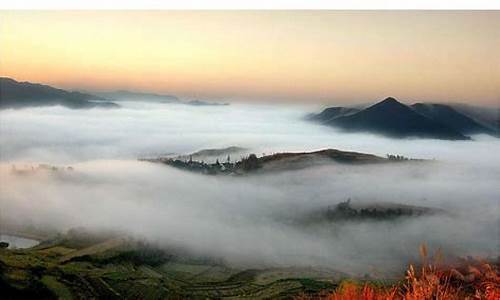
300	55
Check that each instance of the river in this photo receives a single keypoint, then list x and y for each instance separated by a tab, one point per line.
17	242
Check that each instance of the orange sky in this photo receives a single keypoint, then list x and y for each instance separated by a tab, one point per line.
325	56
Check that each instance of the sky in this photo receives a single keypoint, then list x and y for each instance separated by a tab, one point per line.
305	56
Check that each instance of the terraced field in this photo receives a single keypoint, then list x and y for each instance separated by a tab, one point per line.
120	269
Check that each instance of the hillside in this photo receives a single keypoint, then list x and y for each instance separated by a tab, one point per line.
14	94
299	160
286	161
78	266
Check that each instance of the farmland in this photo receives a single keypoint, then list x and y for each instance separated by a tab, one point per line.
122	268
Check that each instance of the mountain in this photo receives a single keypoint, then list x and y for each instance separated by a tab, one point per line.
14	94
123	95
448	116
394	119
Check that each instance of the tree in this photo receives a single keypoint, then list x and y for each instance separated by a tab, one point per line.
251	163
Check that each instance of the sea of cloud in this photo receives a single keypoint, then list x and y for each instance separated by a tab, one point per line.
241	218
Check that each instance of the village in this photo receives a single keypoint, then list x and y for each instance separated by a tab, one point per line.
227	167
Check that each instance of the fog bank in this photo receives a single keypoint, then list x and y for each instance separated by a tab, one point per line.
241	218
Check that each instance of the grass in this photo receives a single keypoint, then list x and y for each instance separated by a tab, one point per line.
59	289
466	279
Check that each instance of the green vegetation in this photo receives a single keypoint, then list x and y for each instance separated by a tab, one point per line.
81	267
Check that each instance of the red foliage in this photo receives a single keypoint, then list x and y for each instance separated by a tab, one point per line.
467	279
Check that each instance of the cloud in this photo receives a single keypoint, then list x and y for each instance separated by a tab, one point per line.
242	218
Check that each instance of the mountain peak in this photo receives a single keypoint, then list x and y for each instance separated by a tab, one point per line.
389	100
389	105
395	119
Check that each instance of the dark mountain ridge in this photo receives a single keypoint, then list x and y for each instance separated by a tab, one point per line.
15	94
394	119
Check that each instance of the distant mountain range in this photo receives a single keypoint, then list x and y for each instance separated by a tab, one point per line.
123	95
395	119
15	94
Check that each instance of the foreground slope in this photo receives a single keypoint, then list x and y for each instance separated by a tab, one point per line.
75	267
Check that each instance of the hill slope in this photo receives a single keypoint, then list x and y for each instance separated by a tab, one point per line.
286	161
127	269
14	94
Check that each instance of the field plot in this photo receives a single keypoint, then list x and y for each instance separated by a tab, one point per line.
119	269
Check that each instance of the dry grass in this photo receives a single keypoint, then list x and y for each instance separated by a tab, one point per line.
465	279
